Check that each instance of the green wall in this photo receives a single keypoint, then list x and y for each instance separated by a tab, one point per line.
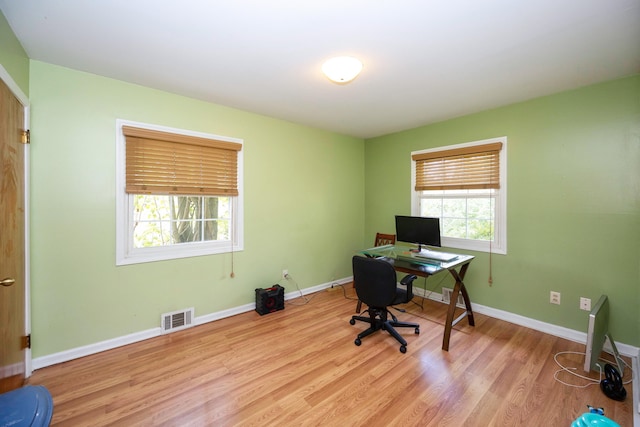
303	202
13	57
573	206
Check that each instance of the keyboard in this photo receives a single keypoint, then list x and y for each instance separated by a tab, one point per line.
435	255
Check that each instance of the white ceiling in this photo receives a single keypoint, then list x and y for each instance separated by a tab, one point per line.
424	60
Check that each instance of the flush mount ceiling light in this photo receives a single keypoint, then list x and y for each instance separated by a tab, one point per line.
342	69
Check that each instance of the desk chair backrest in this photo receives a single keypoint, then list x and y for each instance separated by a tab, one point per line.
375	281
385	239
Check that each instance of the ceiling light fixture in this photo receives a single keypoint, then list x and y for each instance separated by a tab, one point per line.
342	69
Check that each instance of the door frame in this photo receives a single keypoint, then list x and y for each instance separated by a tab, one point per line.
24	100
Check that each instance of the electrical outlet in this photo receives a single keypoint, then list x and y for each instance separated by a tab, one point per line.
554	298
585	303
285	273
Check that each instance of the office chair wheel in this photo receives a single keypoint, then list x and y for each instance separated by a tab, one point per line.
403	349
417	331
352	321
358	342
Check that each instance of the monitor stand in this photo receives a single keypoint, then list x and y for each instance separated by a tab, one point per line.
615	354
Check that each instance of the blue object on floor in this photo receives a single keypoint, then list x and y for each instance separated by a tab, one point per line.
590	419
29	406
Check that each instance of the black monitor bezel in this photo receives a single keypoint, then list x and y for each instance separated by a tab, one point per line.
427	230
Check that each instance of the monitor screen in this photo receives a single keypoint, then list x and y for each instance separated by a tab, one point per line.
417	229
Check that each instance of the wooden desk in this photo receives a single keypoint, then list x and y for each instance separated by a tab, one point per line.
403	260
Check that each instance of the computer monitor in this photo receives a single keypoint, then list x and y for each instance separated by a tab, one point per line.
418	229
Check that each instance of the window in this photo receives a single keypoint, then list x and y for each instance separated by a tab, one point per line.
179	193
465	186
169	220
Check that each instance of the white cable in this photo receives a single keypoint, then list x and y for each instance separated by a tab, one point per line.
591	381
306	300
563	368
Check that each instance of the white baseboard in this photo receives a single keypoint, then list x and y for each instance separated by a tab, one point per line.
11	370
547	328
64	356
75	353
636	388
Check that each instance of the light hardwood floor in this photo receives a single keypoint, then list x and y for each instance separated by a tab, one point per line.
300	367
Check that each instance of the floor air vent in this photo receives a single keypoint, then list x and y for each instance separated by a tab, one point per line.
176	320
446	296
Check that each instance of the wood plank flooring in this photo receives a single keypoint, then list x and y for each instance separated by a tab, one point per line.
300	367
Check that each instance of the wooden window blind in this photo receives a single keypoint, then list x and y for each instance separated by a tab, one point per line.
467	168
165	163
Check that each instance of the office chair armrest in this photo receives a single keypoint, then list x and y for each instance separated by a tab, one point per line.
406	296
408	279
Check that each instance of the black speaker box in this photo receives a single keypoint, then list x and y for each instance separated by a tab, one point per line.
270	299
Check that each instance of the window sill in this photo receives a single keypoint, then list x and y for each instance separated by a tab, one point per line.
139	256
474	245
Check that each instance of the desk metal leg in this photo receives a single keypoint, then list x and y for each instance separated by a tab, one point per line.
451	322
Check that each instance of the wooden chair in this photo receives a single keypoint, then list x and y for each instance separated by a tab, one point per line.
385	239
381	240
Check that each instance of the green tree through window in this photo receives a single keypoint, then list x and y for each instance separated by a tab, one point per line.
168	220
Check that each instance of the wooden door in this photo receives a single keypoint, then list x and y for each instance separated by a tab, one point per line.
12	242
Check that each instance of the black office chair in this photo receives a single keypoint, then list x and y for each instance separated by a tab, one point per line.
381	240
375	282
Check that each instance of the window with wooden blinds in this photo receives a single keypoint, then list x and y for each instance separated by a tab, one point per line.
165	163
465	168
465	186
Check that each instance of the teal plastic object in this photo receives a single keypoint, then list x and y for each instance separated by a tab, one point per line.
29	406
589	419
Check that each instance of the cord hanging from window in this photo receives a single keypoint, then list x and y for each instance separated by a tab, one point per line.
491	227
233	274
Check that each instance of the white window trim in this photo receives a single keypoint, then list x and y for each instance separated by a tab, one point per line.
125	253
499	246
